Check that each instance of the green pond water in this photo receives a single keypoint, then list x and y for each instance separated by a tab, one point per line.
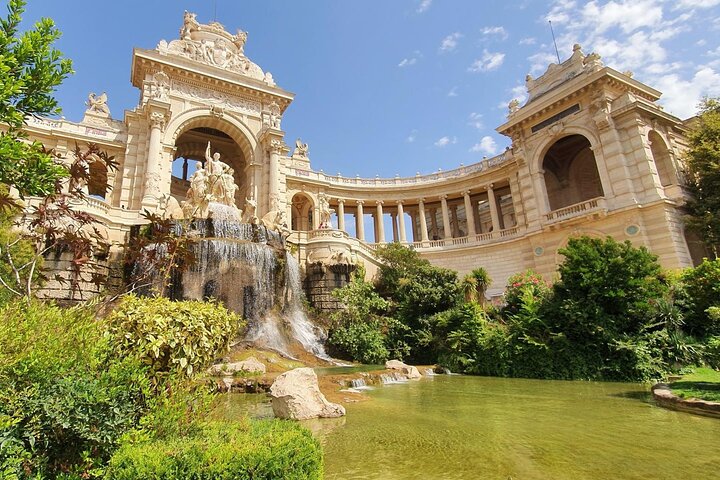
458	427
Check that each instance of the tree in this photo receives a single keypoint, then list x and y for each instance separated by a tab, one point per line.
703	162
30	70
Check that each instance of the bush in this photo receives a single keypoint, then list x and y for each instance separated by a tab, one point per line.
702	285
65	399
360	341
712	352
516	287
271	449
172	337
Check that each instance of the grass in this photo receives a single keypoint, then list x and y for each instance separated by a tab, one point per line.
702	383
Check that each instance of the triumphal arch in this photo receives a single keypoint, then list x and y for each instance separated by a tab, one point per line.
592	153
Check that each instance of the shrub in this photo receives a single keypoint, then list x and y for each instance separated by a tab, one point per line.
65	400
712	352
702	285
361	341
270	449
172	337
516	287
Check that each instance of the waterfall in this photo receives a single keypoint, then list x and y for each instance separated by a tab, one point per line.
392	378
302	329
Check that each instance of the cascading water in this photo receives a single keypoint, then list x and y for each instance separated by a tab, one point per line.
241	265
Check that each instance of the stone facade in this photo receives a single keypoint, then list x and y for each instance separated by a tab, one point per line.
592	153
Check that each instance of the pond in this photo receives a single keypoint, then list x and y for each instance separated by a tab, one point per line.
461	427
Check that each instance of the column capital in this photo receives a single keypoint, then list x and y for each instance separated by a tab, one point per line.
465	193
443	197
421	200
360	202
489	186
379	202
341	200
399	202
158	119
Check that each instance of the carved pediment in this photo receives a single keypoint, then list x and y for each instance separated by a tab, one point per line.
212	45
556	74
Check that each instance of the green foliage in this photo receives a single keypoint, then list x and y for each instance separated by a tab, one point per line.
30	70
703	162
517	285
361	341
172	337
12	246
65	399
702	286
269	449
711	354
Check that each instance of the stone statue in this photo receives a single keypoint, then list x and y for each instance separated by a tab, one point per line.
189	24
249	215
324	211
301	149
212	189
98	103
513	106
275	220
159	85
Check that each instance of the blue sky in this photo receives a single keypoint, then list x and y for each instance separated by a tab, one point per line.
402	86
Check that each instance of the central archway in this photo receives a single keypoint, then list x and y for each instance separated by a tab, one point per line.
571	173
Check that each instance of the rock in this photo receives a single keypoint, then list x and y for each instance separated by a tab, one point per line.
409	371
251	365
295	395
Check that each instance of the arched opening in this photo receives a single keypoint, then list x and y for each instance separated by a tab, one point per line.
302	212
663	162
190	148
571	174
98	179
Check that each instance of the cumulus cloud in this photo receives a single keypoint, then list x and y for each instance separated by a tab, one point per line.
488	62
495	31
450	42
527	41
445	141
409	61
681	96
453	92
424	5
486	145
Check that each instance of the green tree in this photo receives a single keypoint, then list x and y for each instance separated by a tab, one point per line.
30	70
703	162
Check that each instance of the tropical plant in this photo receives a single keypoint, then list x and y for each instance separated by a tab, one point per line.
702	286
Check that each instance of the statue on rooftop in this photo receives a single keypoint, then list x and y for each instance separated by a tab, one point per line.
98	103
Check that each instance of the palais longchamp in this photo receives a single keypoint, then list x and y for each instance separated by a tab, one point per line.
592	154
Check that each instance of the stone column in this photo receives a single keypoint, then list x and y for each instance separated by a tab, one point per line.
341	214
493	208
401	221
394	226
469	213
423	221
276	149
433	223
359	221
380	223
414	226
445	217
157	120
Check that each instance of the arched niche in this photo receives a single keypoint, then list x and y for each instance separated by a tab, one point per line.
98	179
571	173
661	157
302	212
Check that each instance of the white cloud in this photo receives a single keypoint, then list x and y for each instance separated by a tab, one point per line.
445	141
424	5
495	31
475	120
486	145
412	137
489	61
527	41
406	62
681	96
453	92
450	42
698	3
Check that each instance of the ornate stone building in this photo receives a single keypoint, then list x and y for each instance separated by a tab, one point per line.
592	153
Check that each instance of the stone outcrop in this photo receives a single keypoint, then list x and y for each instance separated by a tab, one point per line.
296	395
251	365
408	370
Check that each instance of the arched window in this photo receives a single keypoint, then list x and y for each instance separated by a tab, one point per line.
302	212
98	180
663	162
571	174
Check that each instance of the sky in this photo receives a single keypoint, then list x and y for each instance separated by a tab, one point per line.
399	87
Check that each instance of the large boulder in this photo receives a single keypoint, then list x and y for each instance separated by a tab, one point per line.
251	365
408	370
295	395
